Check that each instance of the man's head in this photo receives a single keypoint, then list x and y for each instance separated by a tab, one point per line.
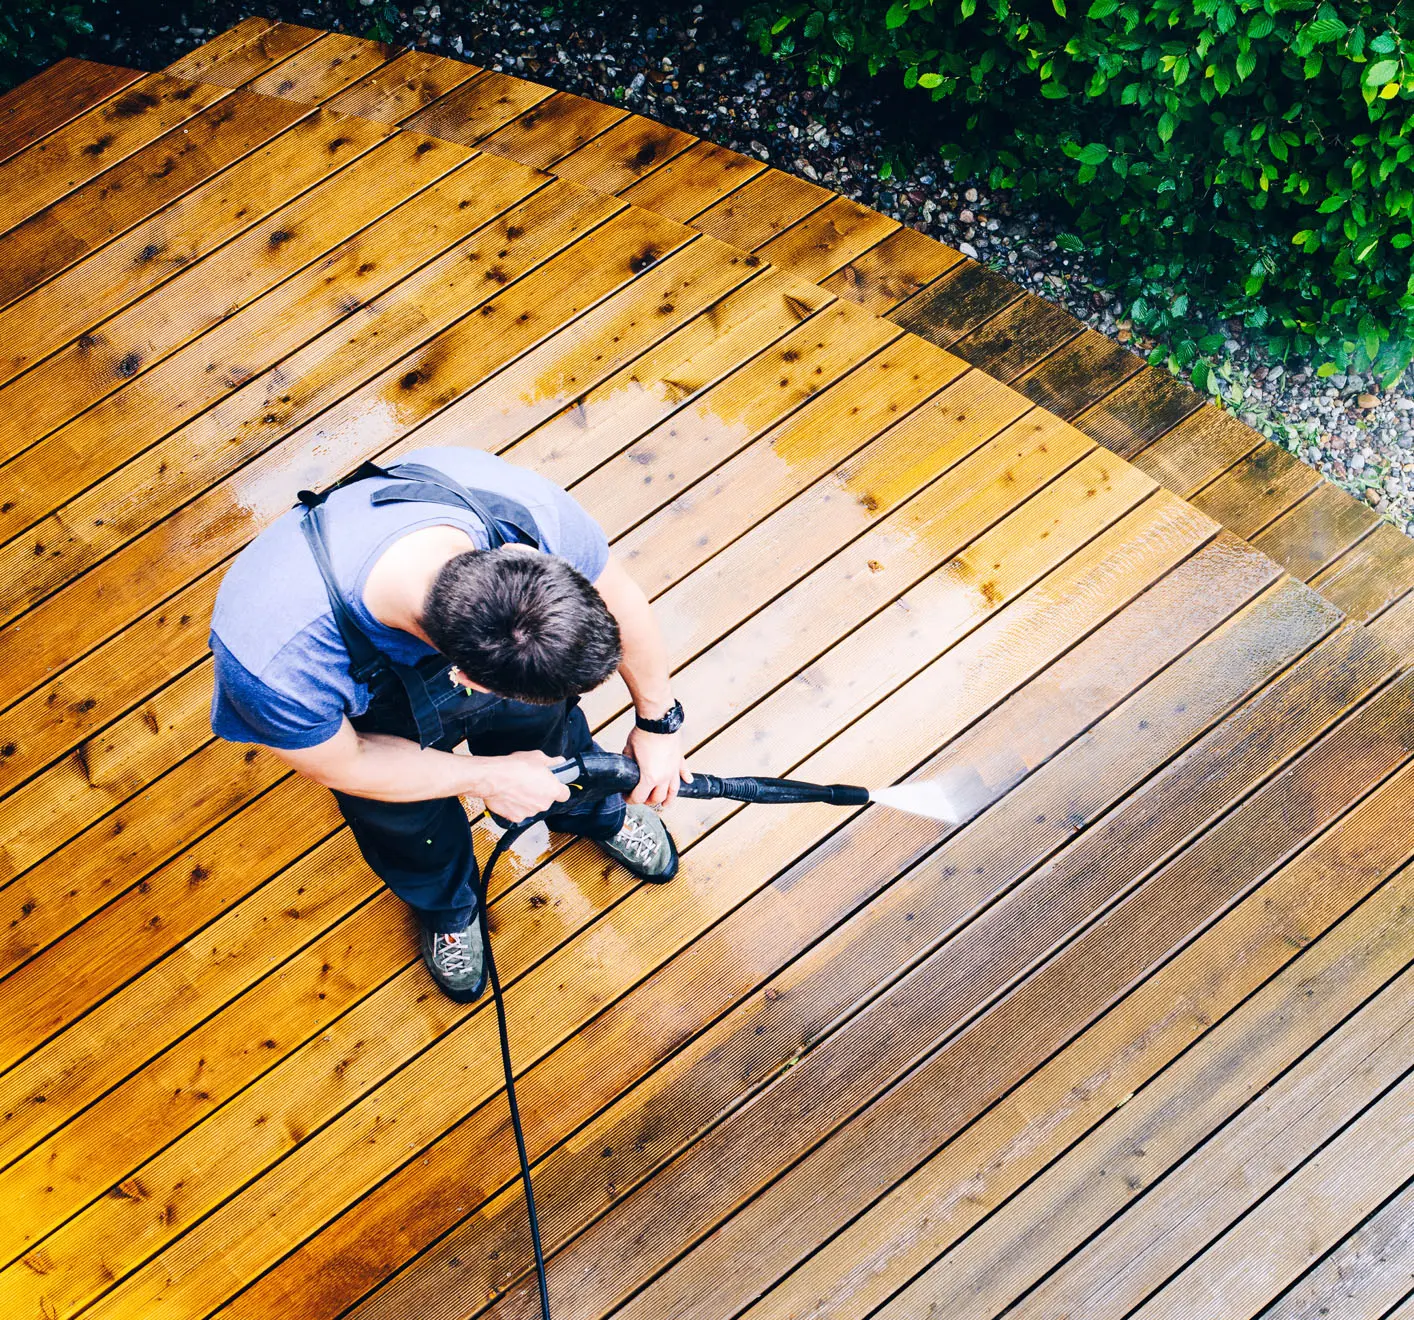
522	625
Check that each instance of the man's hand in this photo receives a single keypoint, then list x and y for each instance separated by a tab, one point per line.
660	766
520	785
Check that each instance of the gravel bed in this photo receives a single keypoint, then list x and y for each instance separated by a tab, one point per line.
692	67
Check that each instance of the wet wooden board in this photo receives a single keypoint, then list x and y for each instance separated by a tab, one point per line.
844	525
50	99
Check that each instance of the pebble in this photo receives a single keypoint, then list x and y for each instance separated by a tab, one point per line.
698	72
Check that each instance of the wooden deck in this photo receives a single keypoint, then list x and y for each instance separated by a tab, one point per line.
1134	1041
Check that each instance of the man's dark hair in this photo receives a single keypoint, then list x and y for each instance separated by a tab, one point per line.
526	626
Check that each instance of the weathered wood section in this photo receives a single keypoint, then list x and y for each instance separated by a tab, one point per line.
860	255
1095	1050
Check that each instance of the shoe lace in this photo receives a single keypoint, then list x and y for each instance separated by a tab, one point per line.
638	839
452	953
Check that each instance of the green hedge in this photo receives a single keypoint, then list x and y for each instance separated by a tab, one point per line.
1258	154
34	33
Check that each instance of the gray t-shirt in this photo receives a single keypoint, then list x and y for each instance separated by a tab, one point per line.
282	670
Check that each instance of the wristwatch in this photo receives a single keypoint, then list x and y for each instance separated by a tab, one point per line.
670	723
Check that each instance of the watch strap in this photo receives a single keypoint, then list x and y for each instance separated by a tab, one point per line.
670	723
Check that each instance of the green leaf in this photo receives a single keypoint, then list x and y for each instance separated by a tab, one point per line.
1246	64
780	25
1102	8
1167	123
1059	6
1302	236
1326	369
897	16
815	24
1327	29
930	80
1200	376
1093	153
1401	241
1376	75
1069	243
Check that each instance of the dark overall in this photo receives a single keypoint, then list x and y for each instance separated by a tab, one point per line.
422	850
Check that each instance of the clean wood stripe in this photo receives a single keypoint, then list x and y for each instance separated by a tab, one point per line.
55	96
406	85
247	51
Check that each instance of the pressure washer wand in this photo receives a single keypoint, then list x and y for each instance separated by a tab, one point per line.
600	774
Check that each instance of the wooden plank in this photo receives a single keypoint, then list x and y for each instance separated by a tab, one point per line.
1317	531
957	303
874	512
1365	1276
760	208
1253	493
92	692
693	181
1115	1057
689	443
323	69
1147	405
1371	575
759	1037
233	366
721	893
1197	451
827	239
1016	338
54	96
1289	1231
556	127
679	374
40	175
476	109
627	152
183	233
246	51
107	770
403	87
1189	1155
798	452
1078	373
134	190
891	272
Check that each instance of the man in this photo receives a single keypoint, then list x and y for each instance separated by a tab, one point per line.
451	597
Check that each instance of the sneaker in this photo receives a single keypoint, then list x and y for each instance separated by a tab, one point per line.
643	845
457	962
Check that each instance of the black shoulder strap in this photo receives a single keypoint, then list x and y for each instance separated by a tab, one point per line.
418	482
366	661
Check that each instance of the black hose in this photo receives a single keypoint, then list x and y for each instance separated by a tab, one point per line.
504	842
602	774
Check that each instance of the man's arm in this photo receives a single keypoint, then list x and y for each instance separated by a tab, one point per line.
645	671
390	769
